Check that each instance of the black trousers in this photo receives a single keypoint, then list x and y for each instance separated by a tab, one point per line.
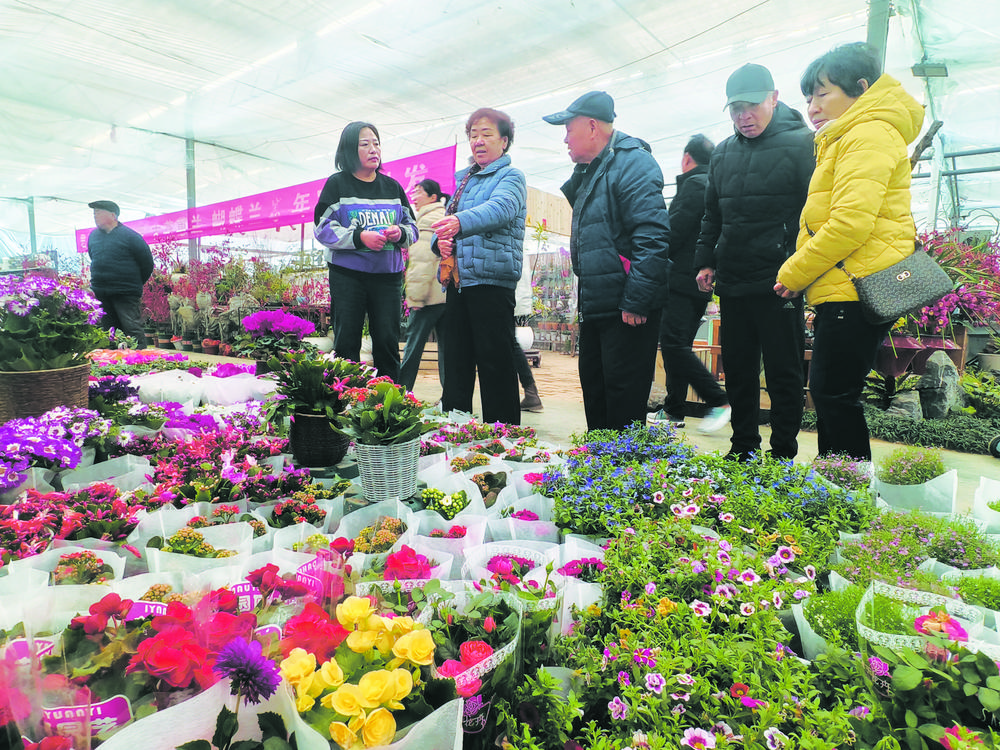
124	312
617	364
356	294
678	326
765	325
844	351
478	330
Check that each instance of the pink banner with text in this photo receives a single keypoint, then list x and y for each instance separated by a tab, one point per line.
278	208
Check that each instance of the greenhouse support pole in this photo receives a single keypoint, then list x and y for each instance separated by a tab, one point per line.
193	251
878	26
31	224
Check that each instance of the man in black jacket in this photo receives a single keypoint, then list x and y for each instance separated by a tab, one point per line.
758	179
686	303
120	264
619	247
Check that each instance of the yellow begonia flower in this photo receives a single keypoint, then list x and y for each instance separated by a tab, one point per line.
417	647
345	700
376	688
299	665
375	622
379	729
362	641
404	684
401	625
343	736
330	674
303	701
352	610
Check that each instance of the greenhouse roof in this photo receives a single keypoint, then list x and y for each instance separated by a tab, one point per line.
98	98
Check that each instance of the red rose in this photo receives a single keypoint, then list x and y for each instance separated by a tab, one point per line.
173	656
451	668
468	688
473	652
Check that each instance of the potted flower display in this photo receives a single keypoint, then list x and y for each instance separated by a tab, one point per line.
385	422
311	391
916	479
267	333
46	331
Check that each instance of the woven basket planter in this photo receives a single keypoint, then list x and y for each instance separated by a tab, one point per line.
29	394
388	472
313	443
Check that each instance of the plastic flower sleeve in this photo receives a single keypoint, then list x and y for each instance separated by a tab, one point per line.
48	561
295	536
813	644
987	492
125	472
427	521
538	553
936	496
237	537
352	523
235	389
440	730
539	529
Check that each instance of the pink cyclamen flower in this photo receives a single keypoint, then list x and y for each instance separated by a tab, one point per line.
698	739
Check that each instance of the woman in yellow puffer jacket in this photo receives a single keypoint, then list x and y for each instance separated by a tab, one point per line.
858	212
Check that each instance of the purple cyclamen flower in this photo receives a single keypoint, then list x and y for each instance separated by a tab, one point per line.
251	674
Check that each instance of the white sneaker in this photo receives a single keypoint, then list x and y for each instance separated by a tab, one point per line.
717	418
661	417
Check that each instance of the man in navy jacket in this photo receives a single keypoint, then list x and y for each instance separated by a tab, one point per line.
619	247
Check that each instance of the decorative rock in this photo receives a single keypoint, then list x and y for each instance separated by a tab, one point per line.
906	404
940	392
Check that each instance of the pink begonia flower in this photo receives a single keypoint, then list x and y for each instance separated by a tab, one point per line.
941	623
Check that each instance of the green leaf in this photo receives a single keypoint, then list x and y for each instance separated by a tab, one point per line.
906	678
990	699
910	718
225	728
195	745
272	725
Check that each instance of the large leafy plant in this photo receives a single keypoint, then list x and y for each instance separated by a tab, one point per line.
46	325
382	413
316	385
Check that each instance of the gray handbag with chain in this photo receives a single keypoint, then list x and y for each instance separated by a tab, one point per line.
912	283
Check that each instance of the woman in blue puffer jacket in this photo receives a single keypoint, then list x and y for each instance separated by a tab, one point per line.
481	241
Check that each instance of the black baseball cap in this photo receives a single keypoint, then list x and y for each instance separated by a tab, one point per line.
751	83
106	206
596	104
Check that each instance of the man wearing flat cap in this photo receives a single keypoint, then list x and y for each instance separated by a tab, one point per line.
120	264
758	179
619	248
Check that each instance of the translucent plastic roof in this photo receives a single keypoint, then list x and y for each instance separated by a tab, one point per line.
98	96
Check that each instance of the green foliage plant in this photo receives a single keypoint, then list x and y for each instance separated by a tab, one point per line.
979	590
982	392
314	384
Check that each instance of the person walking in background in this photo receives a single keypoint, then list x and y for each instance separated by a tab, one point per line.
857	214
424	295
686	303
619	246
757	182
481	242
364	220
120	264
523	303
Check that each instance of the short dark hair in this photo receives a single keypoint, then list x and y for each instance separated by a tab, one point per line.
347	150
843	66
700	149
433	187
505	126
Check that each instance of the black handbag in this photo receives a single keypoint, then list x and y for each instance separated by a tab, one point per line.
889	294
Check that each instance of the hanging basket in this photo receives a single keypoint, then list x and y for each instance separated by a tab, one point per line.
29	394
313	442
388	472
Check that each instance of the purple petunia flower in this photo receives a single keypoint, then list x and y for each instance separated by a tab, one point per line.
251	674
655	682
618	708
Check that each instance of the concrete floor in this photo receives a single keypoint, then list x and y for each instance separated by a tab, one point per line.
559	387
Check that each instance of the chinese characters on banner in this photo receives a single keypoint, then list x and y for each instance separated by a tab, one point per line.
278	208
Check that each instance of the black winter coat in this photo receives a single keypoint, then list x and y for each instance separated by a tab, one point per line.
120	261
686	210
619	212
756	190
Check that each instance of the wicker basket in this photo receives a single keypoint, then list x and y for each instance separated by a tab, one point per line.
313	443
388	472
29	394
